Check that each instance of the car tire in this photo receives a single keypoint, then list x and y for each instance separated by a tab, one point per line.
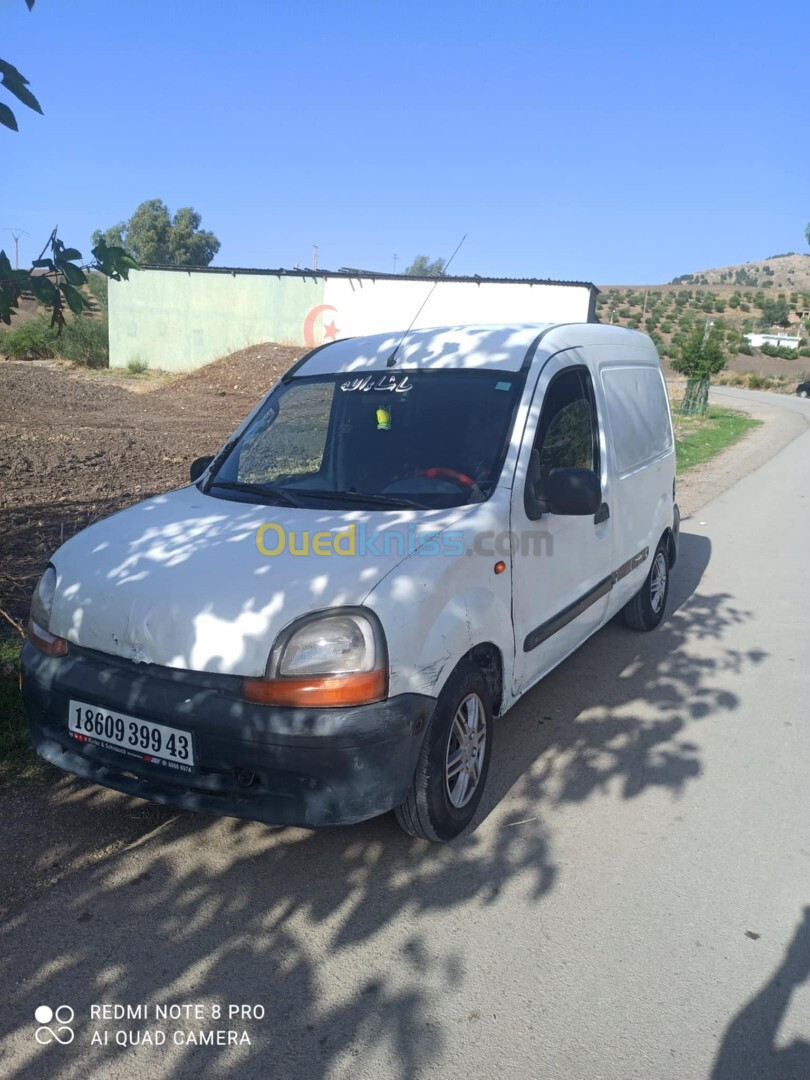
802	393
646	610
454	761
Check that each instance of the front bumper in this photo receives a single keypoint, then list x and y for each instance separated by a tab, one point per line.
283	766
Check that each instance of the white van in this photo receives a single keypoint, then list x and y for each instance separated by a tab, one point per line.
400	540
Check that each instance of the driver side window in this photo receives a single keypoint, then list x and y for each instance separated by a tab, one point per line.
567	434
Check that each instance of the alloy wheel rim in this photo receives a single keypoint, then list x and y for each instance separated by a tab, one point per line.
658	582
465	751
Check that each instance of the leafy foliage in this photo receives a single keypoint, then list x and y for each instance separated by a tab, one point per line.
779	352
774	312
153	236
423	267
29	339
702	354
55	280
84	340
17	84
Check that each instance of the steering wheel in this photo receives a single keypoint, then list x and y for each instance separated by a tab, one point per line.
439	472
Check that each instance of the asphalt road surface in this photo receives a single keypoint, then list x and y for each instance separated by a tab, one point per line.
632	905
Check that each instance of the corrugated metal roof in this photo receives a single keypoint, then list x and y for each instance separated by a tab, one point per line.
369	275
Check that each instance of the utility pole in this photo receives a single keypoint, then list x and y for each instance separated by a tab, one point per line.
395	262
314	256
16	233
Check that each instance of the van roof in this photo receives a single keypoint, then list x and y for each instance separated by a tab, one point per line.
507	347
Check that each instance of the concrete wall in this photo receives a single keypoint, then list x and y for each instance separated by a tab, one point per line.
177	320
371	306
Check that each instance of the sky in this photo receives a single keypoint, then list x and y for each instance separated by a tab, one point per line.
618	143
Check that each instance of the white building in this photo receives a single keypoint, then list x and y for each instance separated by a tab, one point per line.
785	340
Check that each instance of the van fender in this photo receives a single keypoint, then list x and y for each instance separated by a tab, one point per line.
428	637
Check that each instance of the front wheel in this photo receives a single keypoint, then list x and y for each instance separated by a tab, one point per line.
454	760
646	610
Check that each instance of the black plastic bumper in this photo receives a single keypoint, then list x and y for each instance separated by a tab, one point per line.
282	766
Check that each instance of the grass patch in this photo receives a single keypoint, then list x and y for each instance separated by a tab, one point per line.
699	438
18	761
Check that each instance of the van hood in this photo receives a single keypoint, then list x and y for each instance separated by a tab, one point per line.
180	581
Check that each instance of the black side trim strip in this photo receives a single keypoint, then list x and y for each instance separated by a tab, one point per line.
545	630
527	359
630	565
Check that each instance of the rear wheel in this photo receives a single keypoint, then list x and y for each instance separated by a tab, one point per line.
646	610
454	760
802	393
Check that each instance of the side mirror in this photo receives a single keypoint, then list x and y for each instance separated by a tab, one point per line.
574	492
198	467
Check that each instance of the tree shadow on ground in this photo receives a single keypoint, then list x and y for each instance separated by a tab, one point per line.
339	933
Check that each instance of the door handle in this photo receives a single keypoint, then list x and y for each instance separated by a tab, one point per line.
602	514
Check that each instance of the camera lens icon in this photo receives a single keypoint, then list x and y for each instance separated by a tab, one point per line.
62	1016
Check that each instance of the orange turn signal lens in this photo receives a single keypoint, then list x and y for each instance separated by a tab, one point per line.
318	691
45	641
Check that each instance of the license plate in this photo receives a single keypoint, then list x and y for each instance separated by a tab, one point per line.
153	743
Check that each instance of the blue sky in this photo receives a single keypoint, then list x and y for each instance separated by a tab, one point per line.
616	143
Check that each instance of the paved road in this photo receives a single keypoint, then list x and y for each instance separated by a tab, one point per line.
632	906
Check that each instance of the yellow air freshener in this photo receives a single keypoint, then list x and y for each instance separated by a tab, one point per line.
383	419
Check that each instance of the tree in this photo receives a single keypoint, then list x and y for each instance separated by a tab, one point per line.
423	267
54	280
701	355
153	236
774	312
807	233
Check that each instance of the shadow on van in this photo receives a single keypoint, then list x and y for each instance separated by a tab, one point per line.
340	934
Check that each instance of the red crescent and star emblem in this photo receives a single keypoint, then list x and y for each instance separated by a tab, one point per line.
330	330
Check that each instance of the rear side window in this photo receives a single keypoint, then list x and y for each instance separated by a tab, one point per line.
636	401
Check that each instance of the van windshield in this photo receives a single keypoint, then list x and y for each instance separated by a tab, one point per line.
429	439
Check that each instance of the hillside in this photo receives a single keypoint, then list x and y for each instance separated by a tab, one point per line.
755	296
784	272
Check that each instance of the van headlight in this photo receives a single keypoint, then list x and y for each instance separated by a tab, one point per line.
40	619
326	659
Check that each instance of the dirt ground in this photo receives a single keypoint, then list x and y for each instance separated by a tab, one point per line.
75	446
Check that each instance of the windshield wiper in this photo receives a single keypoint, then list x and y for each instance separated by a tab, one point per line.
265	490
395	502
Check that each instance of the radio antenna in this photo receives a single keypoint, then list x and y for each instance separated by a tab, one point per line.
392	359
